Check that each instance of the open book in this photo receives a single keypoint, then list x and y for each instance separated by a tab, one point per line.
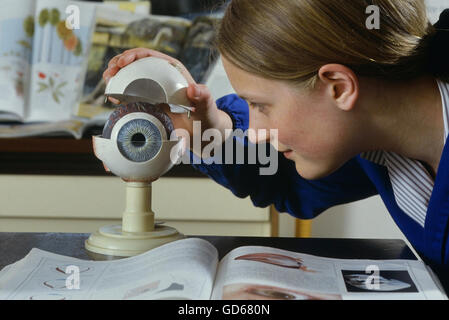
189	269
43	57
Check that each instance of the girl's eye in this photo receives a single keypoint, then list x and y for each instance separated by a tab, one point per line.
139	140
259	106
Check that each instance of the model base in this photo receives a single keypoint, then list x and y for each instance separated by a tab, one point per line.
111	242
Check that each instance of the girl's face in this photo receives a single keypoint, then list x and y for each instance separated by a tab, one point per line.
312	130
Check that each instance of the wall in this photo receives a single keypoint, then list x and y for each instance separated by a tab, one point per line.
368	219
195	206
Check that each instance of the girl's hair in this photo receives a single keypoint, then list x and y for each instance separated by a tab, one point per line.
292	39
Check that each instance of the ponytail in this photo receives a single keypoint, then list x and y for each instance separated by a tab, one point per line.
438	42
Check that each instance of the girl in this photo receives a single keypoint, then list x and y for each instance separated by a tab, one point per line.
359	111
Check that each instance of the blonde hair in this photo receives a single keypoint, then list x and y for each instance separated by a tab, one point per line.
292	39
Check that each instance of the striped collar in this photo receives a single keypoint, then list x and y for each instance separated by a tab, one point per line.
444	90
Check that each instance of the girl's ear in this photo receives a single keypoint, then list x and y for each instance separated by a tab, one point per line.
342	85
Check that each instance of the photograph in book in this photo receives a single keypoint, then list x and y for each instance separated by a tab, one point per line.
189	269
255	291
386	281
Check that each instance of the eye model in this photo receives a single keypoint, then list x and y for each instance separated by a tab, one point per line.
138	142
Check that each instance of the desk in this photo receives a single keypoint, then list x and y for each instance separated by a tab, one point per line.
14	246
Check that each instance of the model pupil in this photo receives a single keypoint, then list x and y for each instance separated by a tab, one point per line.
138	140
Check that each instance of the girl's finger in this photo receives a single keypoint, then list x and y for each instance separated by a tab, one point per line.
135	54
114	60
140	53
200	96
114	101
110	72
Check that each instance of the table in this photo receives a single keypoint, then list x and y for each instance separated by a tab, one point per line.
15	245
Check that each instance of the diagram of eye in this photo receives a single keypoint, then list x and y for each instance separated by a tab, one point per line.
56	284
154	288
141	290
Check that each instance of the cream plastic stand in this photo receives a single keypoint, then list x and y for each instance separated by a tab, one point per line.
138	232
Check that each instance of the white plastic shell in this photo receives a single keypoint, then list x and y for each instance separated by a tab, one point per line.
107	151
152	80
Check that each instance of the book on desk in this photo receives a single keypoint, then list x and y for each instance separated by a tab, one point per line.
191	269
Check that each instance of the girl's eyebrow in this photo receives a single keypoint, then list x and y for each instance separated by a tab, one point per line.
244	97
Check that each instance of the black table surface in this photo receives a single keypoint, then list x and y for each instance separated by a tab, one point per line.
14	246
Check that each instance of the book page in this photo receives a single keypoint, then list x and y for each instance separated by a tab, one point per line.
16	40
262	273
62	39
74	128
184	269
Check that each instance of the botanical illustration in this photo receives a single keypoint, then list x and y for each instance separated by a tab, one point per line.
51	84
58	42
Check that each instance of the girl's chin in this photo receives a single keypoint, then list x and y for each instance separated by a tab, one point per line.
313	171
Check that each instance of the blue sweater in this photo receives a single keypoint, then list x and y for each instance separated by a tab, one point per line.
356	180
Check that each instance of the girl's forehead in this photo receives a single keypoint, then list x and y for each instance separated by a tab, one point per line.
253	87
